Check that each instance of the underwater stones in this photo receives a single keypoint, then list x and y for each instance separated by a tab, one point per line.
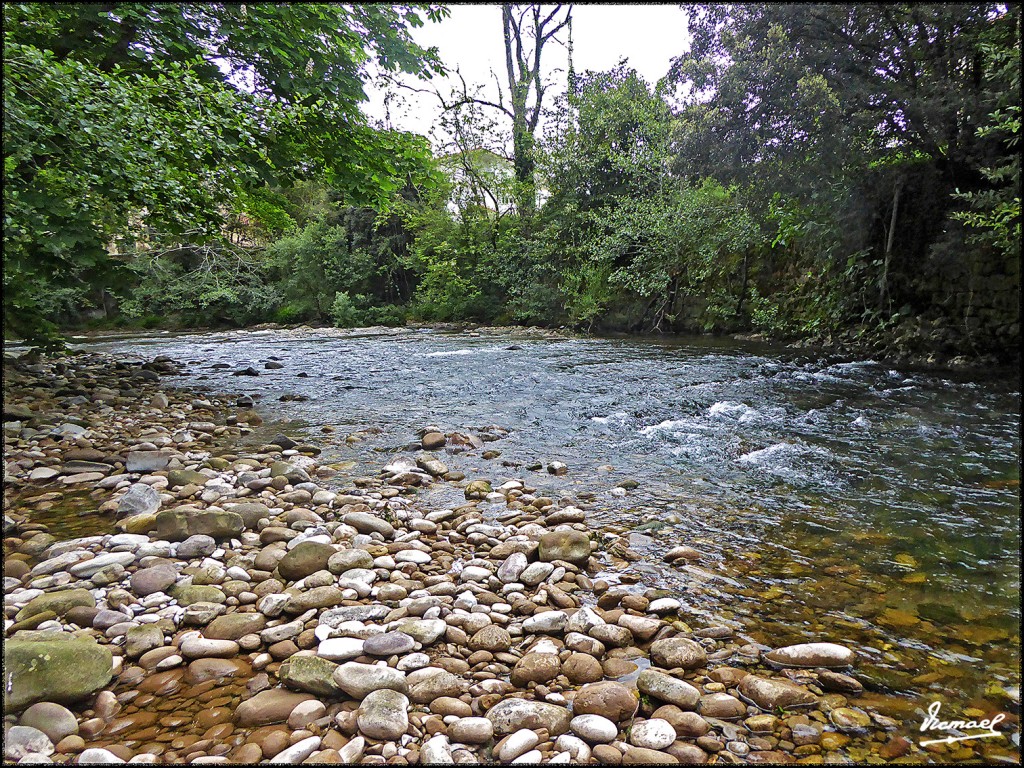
829	655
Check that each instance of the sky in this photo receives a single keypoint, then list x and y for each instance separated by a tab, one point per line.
649	36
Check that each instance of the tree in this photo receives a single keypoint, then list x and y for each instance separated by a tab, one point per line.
128	118
523	69
848	128
526	31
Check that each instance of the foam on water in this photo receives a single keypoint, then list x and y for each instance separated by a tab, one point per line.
449	354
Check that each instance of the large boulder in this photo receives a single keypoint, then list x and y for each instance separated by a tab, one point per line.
63	671
571	546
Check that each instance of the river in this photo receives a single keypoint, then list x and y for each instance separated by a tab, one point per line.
843	501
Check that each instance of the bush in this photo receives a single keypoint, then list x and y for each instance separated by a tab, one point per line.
343	311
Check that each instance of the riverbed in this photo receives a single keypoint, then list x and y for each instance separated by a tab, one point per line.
874	506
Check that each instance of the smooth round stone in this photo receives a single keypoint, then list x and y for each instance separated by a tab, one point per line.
52	719
23	740
198	545
721	705
533	757
471	730
340	648
298	751
148	581
384	715
388	644
613	701
305	713
491	638
594	729
202	648
812	655
849	719
413	662
645	756
518	743
357	680
652	734
664	605
673	652
510	715
99	756
412	556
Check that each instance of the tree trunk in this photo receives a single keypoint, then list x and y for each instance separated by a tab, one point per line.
883	282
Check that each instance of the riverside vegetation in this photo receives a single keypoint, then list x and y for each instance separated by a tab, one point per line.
185	584
843	174
244	611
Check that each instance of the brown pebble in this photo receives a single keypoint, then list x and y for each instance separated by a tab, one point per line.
71	745
606	754
275	742
121	751
247	753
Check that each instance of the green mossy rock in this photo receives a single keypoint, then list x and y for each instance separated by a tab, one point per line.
59	602
60	671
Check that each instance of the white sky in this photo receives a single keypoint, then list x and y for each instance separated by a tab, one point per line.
649	36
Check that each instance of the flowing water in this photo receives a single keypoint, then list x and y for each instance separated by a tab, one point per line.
850	502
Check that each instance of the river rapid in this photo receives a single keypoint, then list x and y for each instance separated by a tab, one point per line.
842	501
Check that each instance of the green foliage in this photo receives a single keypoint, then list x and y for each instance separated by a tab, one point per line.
124	136
208	285
995	213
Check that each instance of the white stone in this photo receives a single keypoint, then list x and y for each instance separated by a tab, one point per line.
23	740
664	605
594	729
417	557
436	750
98	755
340	648
575	747
652	734
297	752
518	743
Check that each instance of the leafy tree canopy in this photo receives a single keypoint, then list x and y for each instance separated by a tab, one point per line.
129	121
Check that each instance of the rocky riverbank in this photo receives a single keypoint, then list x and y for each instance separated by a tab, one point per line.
249	607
